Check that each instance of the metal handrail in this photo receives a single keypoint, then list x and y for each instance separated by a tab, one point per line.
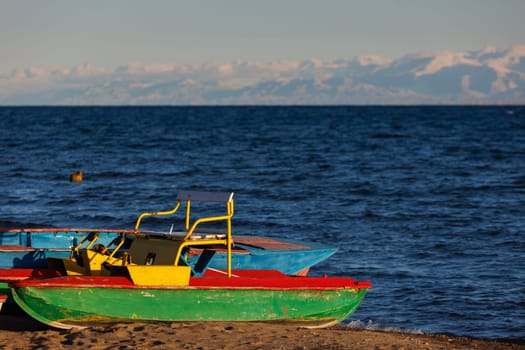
199	196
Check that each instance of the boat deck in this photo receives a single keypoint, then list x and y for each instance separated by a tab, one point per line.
267	243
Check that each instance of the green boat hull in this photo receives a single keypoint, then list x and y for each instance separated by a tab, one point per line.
4	288
85	306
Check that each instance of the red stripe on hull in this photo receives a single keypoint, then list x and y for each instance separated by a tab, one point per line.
258	279
23	274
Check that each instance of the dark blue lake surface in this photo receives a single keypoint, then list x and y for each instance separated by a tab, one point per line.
428	203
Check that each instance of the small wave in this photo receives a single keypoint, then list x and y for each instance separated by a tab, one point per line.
518	181
371	326
382	135
6	225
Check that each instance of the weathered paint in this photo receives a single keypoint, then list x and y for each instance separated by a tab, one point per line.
9	275
72	301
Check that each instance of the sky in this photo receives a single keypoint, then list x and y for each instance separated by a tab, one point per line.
66	33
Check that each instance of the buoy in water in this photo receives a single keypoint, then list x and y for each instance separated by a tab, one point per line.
76	177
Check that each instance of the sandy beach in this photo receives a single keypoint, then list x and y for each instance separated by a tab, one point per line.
18	332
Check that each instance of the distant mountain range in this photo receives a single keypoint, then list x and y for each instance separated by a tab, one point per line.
488	76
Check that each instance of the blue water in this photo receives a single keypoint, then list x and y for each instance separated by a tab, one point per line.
428	203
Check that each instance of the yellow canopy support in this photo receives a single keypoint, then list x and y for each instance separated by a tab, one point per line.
186	198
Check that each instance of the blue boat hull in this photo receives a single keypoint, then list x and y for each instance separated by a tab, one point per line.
36	258
289	261
30	248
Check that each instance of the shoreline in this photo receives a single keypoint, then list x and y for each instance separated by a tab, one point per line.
23	332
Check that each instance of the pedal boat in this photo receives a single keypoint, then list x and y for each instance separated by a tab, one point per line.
153	281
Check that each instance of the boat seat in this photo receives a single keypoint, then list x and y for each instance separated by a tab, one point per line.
154	251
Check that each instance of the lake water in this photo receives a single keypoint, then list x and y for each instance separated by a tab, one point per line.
428	203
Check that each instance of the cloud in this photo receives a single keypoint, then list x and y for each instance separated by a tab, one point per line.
445	60
502	64
160	68
27	74
373	60
88	70
226	69
487	75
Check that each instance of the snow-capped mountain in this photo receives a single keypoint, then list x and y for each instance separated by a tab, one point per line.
486	76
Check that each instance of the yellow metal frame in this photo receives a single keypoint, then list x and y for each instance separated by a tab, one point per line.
187	197
92	257
92	238
169	255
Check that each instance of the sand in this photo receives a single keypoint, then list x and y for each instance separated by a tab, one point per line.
19	332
